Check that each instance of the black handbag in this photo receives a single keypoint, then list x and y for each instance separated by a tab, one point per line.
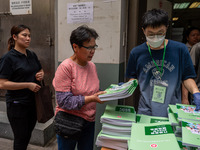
44	105
68	126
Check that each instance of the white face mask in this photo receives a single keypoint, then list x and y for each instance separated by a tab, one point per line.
156	41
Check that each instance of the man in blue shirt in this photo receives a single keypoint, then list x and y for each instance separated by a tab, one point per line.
160	65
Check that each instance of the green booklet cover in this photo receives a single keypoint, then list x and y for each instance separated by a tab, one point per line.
173	109
114	91
158	136
138	117
191	133
184	147
187	112
179	140
151	119
172	117
120	115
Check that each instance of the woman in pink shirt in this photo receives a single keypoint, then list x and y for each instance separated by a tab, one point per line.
77	87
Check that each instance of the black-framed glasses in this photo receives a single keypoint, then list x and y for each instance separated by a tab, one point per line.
158	35
90	48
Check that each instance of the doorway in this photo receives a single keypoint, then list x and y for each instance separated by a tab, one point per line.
185	14
41	23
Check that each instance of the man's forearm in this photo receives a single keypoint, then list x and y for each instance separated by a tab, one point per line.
191	86
184	95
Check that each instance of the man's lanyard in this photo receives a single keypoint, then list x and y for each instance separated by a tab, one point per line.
161	71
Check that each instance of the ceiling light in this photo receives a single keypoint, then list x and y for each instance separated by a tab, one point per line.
175	19
195	5
181	5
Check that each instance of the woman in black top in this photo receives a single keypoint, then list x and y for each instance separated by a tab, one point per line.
20	73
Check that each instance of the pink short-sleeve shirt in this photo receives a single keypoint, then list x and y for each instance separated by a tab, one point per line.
79	80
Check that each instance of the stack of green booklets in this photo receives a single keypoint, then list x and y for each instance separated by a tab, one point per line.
116	130
116	126
114	91
191	133
174	120
190	125
113	142
119	115
173	115
123	129
187	112
185	122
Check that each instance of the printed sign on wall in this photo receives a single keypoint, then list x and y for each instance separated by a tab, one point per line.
21	7
80	12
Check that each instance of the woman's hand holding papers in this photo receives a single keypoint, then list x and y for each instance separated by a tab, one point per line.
94	98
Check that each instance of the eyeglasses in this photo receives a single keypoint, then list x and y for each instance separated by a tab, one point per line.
158	35
90	48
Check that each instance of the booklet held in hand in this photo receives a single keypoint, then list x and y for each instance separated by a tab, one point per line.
114	91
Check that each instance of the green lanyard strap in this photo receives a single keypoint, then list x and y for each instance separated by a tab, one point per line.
161	71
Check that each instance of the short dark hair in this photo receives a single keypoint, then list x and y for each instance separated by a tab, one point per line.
155	18
186	33
189	30
82	34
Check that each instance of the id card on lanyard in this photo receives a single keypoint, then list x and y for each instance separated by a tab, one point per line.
159	92
160	88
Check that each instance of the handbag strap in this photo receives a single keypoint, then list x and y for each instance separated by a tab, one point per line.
42	82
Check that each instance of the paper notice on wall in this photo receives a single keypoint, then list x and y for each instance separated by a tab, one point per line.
21	7
80	12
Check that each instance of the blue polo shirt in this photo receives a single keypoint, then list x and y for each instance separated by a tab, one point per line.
18	67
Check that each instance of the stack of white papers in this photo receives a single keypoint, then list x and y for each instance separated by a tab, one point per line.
116	130
113	142
114	91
